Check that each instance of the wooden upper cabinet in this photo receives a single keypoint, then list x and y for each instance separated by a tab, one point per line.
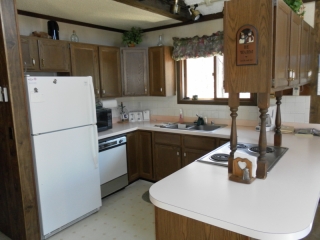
161	71
304	53
54	55
134	71
110	72
295	41
84	62
281	45
29	51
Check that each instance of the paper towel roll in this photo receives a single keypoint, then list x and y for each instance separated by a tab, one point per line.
110	103
252	159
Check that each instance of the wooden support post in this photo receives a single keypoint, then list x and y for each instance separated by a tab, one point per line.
277	134
234	102
263	104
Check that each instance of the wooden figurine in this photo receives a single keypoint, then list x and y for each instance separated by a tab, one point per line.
242	171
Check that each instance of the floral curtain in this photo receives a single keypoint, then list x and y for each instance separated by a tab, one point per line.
195	47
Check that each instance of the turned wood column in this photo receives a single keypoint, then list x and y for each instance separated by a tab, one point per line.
277	134
234	102
263	104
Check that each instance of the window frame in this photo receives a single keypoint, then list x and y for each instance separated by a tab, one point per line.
181	72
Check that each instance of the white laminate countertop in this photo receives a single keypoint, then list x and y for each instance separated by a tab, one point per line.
281	207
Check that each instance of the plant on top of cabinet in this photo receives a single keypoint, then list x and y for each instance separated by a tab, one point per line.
161	71
297	6
132	37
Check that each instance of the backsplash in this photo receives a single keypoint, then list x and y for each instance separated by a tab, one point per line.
293	109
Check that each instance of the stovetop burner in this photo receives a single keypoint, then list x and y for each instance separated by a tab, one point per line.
256	149
239	145
220	157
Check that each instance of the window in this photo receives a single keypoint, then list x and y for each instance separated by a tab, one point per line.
204	77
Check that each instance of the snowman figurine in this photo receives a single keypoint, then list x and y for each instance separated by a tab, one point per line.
250	37
242	39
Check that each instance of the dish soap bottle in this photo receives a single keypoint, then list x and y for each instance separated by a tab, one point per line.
74	37
180	117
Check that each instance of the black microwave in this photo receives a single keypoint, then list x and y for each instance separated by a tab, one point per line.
104	119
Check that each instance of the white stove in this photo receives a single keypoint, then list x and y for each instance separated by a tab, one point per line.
220	155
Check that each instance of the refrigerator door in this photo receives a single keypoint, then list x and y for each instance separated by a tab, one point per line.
67	172
57	103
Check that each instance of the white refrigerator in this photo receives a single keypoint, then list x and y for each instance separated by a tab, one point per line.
65	149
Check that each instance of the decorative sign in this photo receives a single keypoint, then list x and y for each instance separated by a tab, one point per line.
247	42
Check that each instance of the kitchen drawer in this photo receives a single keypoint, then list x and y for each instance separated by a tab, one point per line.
167	138
203	143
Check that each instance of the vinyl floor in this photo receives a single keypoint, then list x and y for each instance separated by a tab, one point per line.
127	215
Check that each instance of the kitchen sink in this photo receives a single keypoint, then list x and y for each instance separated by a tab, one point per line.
192	127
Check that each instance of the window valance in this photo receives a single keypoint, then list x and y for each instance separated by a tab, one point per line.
195	47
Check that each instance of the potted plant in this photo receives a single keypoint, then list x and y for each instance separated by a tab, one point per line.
297	6
132	37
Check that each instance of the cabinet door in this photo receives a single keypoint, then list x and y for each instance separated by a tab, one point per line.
110	71
190	155
311	54
167	160
132	156
135	71
295	39
304	52
54	55
29	51
161	71
84	62
145	155
281	45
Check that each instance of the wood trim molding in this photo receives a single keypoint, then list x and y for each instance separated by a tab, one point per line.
43	16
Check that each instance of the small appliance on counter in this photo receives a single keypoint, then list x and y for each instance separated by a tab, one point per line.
270	121
135	116
104	119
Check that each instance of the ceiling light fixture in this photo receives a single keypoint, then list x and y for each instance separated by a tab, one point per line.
175	8
195	14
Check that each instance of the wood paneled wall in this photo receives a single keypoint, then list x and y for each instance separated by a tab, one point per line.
18	202
315	99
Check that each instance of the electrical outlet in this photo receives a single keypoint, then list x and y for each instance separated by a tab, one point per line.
295	91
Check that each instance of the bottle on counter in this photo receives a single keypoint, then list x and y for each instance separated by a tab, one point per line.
74	37
180	117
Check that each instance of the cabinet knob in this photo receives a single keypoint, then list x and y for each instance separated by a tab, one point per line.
42	61
33	61
98	92
185	154
160	89
178	153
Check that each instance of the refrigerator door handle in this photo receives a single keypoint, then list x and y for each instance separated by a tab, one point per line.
95	145
93	104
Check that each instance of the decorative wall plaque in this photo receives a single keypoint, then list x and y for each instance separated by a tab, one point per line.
247	42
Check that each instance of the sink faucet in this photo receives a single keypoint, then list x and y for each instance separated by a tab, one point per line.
200	120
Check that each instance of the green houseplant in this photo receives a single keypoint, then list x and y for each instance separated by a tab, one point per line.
132	37
297	6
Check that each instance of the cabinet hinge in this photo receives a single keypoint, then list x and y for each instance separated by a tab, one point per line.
275	2
273	83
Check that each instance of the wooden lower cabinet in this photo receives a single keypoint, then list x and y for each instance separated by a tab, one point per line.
190	155
167	160
133	157
145	155
172	226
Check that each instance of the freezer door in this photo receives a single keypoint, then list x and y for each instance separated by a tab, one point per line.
57	103
67	173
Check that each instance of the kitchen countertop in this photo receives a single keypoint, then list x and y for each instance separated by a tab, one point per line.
123	128
282	206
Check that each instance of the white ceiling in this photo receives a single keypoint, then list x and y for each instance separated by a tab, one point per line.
107	13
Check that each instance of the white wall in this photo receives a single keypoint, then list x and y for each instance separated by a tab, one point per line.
167	106
27	25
